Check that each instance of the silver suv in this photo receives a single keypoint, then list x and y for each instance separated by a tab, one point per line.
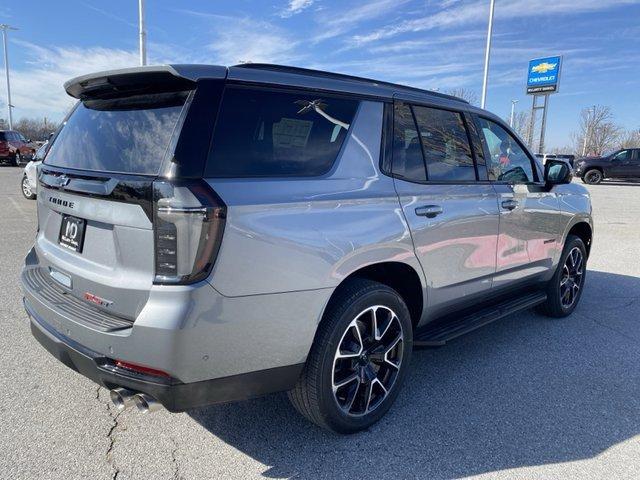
210	234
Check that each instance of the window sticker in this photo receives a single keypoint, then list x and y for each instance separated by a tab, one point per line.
291	133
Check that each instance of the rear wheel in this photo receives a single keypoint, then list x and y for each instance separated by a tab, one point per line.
359	358
593	176
565	288
26	188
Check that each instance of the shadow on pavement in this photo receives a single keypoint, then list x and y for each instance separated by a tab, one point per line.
524	391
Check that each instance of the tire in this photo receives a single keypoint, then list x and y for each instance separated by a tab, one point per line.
592	176
17	159
558	305
25	188
377	370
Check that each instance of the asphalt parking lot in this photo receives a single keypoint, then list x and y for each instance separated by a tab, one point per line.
526	397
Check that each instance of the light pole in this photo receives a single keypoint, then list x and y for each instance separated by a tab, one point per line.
142	33
587	134
513	112
487	54
4	27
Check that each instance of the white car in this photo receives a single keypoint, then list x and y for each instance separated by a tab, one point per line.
29	183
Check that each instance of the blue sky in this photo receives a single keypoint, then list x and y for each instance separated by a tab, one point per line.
435	44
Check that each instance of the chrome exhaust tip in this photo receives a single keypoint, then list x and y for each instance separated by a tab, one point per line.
122	398
146	403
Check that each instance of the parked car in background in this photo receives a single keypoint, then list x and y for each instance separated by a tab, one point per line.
285	229
623	164
14	148
29	182
543	157
567	157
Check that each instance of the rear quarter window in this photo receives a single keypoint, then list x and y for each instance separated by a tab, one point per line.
266	133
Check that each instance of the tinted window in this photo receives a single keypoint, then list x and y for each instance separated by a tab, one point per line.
127	135
407	152
446	145
3	136
266	133
623	155
507	160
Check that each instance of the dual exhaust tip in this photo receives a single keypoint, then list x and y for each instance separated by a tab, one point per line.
124	398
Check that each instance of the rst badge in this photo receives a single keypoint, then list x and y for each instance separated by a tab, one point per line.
97	300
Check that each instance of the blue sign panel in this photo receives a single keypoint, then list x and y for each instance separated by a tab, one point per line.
544	75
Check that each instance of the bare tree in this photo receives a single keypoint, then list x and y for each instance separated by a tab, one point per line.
522	123
630	139
464	93
597	131
36	129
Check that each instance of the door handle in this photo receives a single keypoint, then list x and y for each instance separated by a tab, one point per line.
429	211
509	204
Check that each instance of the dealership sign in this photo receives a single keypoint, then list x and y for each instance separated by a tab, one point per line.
544	75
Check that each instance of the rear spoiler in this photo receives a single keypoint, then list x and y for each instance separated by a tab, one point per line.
139	80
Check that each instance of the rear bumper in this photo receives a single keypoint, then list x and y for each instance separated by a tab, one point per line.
172	394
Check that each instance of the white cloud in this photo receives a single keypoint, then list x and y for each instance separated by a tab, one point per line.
477	12
295	6
337	22
243	39
246	40
37	91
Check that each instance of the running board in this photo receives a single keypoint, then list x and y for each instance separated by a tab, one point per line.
440	332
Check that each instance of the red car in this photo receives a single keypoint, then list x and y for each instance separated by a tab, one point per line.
14	147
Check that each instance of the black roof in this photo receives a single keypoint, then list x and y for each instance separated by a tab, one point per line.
118	80
344	77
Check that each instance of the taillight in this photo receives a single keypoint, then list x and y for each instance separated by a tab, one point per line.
189	221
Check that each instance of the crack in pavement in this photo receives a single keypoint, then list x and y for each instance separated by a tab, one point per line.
174	460
111	436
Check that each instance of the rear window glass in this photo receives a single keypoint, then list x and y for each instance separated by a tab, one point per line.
126	135
267	133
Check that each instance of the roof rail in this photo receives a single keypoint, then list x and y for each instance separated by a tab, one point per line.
342	76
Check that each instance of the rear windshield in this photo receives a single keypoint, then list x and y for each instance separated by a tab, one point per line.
125	135
265	133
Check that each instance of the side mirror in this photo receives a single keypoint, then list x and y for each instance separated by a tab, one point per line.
557	172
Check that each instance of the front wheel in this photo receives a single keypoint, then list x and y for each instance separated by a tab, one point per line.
565	288
592	177
358	360
17	159
26	189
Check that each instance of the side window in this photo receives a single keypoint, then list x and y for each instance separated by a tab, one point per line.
623	155
446	145
407	153
264	133
481	165
507	161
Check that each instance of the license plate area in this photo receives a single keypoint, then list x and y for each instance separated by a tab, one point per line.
72	233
